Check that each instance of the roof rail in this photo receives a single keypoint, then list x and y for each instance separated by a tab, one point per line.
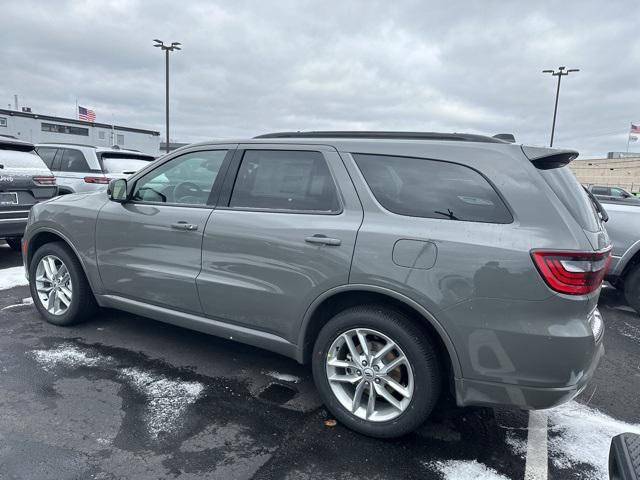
465	137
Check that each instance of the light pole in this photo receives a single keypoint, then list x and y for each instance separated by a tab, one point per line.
560	73
167	49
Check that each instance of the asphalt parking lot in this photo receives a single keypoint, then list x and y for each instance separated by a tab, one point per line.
127	397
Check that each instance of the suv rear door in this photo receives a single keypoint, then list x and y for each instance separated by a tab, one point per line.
282	234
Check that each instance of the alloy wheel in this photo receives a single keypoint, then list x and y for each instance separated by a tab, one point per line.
53	284
369	375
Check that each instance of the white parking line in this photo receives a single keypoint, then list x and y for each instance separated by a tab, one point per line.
536	466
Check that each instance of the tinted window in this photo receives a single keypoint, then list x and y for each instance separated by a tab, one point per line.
15	160
600	191
47	155
57	128
284	180
432	189
187	179
567	188
617	192
73	161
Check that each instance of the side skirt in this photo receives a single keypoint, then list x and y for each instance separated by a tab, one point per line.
256	338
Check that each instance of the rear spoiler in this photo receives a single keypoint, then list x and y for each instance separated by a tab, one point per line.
7	143
546	158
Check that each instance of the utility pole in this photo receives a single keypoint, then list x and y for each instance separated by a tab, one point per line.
562	71
167	49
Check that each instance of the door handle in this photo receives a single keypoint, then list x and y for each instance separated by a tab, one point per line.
319	239
184	226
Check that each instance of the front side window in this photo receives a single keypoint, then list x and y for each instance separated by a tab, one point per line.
618	192
74	161
187	179
418	187
285	180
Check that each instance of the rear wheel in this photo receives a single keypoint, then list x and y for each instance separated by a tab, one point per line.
59	288
632	288
376	371
14	243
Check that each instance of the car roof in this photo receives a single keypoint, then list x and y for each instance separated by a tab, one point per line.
93	147
10	143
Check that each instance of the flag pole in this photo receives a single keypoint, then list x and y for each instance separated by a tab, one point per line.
76	108
629	137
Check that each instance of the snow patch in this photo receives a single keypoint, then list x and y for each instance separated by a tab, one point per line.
465	470
579	435
167	399
285	377
631	331
69	356
12	277
25	301
516	445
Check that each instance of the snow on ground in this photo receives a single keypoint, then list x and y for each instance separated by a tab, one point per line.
579	434
12	277
69	356
25	301
630	331
167	399
465	470
285	377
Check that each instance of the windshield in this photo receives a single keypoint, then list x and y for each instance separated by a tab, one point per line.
12	159
565	185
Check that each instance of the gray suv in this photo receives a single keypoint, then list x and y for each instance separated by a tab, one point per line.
24	181
398	264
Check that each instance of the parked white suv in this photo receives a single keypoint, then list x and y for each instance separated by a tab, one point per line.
82	168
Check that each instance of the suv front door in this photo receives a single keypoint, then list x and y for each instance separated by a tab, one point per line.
149	248
283	236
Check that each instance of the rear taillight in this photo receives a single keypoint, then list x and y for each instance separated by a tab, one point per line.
574	273
44	180
101	180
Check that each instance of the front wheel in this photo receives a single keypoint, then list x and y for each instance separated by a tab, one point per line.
59	288
377	371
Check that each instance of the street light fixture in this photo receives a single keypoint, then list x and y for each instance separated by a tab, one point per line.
167	49
562	71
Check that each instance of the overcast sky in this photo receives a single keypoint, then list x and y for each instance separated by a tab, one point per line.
252	67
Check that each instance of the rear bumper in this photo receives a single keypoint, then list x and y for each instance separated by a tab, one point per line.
13	222
476	392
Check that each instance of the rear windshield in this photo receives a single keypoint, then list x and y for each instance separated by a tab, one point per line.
432	189
566	186
124	164
12	159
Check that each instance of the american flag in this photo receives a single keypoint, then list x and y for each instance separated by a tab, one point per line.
86	114
635	129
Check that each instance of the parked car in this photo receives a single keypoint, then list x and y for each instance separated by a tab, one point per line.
84	168
398	264
613	194
24	181
623	227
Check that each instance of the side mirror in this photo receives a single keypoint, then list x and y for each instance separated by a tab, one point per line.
117	190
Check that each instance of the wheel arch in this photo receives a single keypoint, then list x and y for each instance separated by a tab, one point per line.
46	235
346	296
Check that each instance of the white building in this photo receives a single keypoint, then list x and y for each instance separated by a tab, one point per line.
37	128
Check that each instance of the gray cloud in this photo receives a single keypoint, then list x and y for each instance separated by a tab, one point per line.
253	67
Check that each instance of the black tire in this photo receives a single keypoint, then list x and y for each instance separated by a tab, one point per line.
14	243
417	346
631	288
83	304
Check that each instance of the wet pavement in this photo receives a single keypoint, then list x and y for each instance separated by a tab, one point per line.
127	397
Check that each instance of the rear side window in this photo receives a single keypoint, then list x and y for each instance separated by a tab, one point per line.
285	180
47	155
432	189
567	188
600	191
73	161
